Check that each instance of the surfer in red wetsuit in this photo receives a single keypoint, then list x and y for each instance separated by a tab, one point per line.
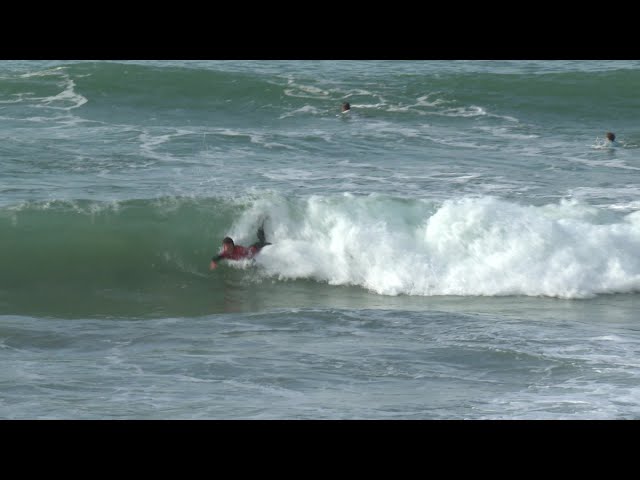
231	251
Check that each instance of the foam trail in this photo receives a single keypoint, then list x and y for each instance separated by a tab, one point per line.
467	246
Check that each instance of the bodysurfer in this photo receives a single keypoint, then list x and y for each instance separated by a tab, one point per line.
611	137
231	251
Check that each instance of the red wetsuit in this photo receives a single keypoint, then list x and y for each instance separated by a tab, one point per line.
238	253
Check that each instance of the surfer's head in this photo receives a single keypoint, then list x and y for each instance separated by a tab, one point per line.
227	244
346	107
610	136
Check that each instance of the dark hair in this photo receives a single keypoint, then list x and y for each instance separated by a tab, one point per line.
346	106
228	240
611	136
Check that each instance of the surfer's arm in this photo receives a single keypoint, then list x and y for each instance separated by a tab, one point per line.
214	261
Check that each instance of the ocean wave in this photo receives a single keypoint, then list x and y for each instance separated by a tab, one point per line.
465	246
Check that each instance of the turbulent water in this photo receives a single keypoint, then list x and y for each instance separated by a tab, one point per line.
462	244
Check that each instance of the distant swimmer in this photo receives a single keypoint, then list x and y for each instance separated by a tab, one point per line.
611	137
231	251
346	107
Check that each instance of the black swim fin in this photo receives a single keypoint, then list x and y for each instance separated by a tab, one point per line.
261	236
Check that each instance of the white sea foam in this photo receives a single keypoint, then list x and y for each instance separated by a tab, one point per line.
465	111
357	91
424	101
306	110
626	207
67	99
19	97
149	141
505	132
43	73
470	111
603	144
289	174
609	163
468	246
304	91
612	198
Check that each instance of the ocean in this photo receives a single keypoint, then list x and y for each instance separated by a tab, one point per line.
462	244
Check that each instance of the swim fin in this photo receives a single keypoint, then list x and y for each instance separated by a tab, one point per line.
261	236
